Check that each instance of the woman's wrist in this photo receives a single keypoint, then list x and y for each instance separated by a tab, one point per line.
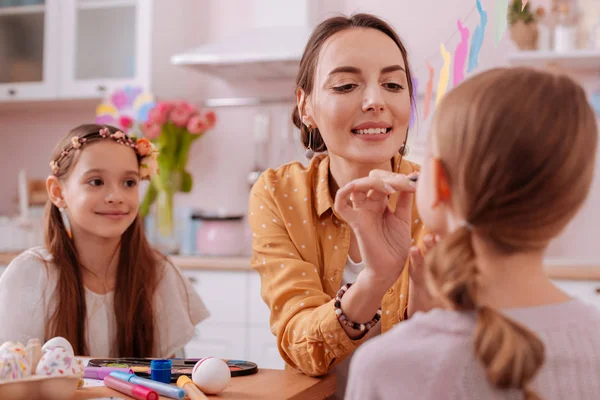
374	283
362	300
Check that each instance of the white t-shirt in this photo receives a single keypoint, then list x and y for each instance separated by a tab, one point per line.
27	303
351	271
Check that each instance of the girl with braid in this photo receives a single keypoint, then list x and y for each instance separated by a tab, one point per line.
510	161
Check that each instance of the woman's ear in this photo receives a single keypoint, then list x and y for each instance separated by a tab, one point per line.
304	108
55	191
442	192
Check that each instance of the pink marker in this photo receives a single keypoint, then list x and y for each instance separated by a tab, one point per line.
101	372
138	392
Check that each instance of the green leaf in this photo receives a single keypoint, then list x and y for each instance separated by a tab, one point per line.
149	198
186	182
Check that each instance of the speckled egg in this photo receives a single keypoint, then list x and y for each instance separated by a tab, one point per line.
14	364
58	361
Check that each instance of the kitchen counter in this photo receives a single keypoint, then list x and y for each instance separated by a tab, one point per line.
240	263
557	268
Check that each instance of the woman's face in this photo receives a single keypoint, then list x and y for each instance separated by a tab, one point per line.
360	102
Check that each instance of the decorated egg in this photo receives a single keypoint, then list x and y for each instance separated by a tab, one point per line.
211	375
14	364
12	347
58	341
58	361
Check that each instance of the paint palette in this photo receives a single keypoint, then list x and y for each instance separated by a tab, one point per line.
181	366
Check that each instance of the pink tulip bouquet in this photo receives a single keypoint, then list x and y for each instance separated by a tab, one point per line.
172	127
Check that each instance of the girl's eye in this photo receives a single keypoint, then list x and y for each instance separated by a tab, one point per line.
344	88
131	183
394	87
96	182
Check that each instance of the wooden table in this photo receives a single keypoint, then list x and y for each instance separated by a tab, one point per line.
266	384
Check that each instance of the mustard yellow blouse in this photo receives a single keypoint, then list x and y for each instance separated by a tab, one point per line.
300	248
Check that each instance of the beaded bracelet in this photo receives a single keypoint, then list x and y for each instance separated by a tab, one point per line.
344	320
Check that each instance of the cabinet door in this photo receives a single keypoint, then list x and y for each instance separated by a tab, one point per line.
29	49
262	349
217	341
106	44
259	314
224	293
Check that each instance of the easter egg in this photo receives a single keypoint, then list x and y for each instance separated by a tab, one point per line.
14	364
211	375
58	361
58	341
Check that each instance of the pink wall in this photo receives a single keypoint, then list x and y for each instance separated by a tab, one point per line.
222	160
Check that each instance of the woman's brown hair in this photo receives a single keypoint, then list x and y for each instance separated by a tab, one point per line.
518	147
308	64
136	280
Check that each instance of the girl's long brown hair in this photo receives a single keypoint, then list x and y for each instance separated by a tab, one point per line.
518	147
136	280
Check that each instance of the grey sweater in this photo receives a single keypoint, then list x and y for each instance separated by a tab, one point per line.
431	357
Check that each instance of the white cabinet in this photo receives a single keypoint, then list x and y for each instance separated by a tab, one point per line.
262	346
586	291
238	327
29	50
69	49
105	44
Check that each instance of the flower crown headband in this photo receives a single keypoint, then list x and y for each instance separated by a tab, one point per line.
142	146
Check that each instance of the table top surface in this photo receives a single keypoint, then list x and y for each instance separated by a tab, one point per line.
266	384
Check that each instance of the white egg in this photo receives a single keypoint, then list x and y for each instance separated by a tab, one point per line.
58	341
211	375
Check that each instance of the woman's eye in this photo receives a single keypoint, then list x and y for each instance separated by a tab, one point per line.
131	183
344	88
394	86
96	182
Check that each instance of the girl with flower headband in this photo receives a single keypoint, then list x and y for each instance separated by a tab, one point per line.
510	161
97	282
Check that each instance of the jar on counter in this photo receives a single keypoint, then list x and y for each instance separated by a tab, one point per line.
218	235
565	31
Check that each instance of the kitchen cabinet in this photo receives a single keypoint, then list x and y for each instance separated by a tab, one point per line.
29	50
238	327
106	44
73	49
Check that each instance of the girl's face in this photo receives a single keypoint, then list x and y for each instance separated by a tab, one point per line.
360	102
101	191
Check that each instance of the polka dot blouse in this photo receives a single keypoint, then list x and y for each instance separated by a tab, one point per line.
300	248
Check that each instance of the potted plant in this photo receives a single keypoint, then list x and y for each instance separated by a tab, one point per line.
523	25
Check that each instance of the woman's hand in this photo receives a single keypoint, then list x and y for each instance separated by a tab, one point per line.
383	235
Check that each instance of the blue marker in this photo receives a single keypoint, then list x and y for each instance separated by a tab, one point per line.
163	389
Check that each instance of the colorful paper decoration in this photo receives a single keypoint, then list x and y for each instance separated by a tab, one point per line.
477	39
428	90
444	74
460	54
125	108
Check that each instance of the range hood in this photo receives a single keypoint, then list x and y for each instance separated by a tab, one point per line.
270	50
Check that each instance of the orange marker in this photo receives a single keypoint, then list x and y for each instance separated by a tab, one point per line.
190	388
